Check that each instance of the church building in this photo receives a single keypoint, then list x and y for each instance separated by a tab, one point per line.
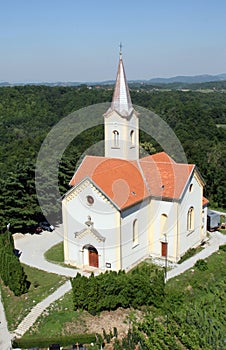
122	209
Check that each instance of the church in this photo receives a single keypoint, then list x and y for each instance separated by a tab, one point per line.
122	209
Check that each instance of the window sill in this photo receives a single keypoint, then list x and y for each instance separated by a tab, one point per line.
115	147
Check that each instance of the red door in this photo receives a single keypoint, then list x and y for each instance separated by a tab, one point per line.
93	258
164	248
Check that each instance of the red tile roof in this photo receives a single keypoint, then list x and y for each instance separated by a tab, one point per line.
204	201
128	182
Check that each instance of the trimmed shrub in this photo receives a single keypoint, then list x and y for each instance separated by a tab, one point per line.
62	340
11	270
110	290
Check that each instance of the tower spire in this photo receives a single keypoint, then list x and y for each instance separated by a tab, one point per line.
121	101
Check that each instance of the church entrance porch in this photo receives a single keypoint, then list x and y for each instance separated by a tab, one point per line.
90	256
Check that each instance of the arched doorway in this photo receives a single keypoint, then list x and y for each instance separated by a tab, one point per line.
92	256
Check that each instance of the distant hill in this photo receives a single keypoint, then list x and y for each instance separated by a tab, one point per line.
188	79
196	79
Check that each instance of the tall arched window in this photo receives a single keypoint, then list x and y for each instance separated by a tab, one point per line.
190	219
115	139
163	224
132	138
135	232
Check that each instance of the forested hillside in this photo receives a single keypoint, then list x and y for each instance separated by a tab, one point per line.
28	113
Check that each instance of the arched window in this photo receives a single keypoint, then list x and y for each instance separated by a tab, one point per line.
163	225
191	188
115	139
135	232
132	138
190	219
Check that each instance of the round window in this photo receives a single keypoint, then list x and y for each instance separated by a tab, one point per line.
90	200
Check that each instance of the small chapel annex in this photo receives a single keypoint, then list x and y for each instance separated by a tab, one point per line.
122	209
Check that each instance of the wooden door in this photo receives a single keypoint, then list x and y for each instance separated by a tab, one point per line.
93	258
164	248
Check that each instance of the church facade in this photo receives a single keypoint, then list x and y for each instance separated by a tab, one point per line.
122	209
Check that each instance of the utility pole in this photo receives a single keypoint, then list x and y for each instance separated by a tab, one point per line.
166	246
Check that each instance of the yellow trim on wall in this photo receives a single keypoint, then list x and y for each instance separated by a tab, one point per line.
151	226
178	218
66	248
118	235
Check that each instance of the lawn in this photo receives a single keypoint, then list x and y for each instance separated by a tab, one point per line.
55	254
58	319
42	284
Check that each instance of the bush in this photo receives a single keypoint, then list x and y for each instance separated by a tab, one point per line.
110	290
201	265
11	270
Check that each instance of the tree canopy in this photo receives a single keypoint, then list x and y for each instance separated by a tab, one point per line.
27	114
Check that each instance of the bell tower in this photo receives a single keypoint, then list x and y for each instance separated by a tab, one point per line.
121	121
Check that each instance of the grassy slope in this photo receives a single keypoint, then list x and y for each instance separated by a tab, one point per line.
42	284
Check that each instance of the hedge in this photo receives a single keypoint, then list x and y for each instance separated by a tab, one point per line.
62	340
110	290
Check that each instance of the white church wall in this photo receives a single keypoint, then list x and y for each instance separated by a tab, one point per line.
104	218
158	234
191	236
134	249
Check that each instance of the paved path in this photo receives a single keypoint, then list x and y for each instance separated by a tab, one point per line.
34	246
216	239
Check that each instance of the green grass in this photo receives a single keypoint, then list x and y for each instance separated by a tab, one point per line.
202	280
55	254
58	319
42	284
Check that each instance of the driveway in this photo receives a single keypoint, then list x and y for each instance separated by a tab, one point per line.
33	247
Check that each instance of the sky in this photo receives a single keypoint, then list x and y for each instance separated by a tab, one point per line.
78	40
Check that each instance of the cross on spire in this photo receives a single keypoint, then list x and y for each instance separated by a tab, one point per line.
120	51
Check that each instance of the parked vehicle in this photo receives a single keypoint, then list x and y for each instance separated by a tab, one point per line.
45	226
